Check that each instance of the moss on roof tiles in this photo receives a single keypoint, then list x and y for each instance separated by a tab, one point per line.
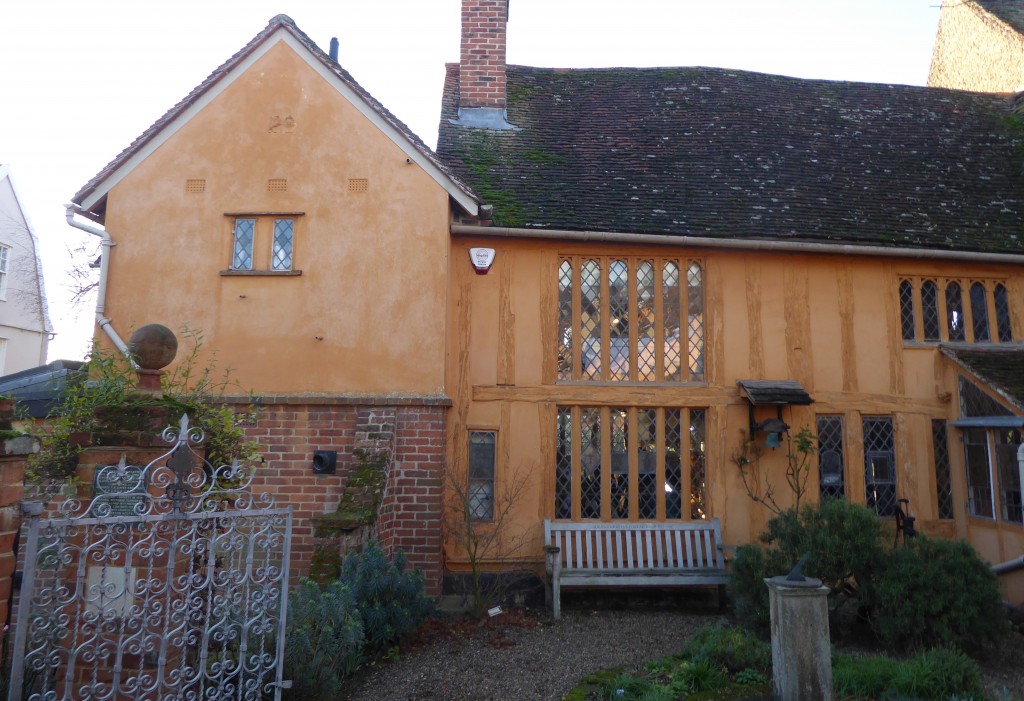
724	153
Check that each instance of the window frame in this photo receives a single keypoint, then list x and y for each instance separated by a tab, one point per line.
5	270
263	248
835	491
620	321
966	310
873	486
486	482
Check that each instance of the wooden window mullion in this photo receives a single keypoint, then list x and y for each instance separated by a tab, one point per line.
606	463
632	452
659	324
575	437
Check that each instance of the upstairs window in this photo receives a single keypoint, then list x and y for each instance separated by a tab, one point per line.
5	253
263	244
940	305
630	319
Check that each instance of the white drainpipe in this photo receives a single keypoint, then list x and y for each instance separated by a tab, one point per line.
101	298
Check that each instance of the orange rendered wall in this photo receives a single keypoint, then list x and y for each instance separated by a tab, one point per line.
366	315
831	323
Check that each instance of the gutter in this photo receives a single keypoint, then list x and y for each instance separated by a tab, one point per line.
101	298
734	244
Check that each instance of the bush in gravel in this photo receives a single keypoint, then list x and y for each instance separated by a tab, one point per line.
390	599
935	592
844	546
730	647
323	640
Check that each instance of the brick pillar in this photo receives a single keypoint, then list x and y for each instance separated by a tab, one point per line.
482	64
410	514
12	487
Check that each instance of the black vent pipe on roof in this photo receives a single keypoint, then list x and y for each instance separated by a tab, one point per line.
334	49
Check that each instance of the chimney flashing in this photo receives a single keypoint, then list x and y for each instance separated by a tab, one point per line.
493	118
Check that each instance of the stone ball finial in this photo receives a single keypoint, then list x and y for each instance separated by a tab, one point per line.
153	346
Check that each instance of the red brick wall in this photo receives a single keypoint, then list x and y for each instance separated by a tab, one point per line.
482	71
12	477
410	514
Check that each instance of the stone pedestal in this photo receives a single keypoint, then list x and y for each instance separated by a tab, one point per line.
801	653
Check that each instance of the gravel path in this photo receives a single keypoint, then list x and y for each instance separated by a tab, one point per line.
535	664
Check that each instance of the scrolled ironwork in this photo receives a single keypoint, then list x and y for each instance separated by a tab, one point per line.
169	584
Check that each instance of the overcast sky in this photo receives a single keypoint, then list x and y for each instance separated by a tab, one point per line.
80	80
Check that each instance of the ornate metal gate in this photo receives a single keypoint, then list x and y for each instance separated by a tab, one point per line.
170	583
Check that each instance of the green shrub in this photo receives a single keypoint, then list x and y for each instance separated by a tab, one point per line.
937	674
937	593
844	546
934	675
323	640
730	647
390	599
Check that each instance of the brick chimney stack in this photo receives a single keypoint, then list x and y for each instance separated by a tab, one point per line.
482	64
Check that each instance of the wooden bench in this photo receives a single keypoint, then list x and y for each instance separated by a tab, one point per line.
602	554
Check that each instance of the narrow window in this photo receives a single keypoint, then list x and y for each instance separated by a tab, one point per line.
695	320
955	312
672	321
943	479
563	465
907	310
4	262
480	497
930	310
620	463
618	320
979	474
645	342
673	464
1003	326
832	476
647	480
698	467
281	256
979	312
241	257
565	340
1007	443
590	322
590	463
879	465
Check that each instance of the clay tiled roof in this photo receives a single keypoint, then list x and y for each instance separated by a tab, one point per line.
278	22
1009	11
726	153
1002	369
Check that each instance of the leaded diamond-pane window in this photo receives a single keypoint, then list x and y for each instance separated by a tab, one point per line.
975	402
565	287
563	465
590	463
241	257
646	477
281	257
979	312
907	310
831	472
698	466
481	475
879	465
943	479
930	310
1003	326
955	312
620	463
637	320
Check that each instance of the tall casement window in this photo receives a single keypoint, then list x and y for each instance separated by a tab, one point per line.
943	478
991	435
263	244
630	319
5	261
879	465
831	464
630	463
480	495
946	316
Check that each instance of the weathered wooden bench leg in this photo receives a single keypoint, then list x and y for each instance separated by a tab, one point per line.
553	568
